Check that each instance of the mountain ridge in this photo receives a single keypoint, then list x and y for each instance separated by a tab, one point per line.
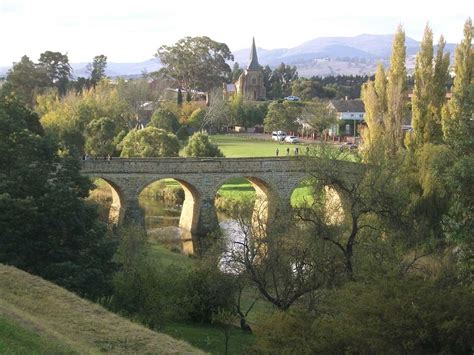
357	55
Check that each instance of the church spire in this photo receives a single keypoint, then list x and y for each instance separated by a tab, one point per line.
253	63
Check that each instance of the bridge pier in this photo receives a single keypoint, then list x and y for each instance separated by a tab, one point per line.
207	220
132	212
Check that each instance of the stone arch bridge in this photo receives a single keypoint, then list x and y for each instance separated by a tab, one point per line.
274	180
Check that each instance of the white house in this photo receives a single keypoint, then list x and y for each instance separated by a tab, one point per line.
349	114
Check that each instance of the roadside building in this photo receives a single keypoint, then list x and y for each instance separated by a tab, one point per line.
349	117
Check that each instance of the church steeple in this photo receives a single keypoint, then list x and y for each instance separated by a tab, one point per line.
253	63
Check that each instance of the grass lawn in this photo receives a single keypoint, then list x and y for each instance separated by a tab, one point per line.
210	338
63	321
15	339
234	146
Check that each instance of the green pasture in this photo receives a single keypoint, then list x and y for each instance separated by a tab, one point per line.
235	146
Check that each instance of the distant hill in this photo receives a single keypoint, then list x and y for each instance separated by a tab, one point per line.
35	312
319	56
335	55
120	69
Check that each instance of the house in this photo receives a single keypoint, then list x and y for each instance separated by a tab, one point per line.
349	114
250	83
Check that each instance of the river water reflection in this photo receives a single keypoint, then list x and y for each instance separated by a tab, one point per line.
162	225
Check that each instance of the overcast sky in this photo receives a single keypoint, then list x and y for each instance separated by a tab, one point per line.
131	31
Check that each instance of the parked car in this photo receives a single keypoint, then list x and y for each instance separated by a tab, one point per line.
292	139
292	98
278	136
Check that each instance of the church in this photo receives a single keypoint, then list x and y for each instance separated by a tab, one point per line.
250	83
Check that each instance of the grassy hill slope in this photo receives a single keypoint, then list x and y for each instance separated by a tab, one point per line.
37	316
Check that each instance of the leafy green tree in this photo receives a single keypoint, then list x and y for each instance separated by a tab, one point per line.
197	63
200	146
165	119
236	72
396	93
318	116
282	116
374	96
46	228
68	117
149	142
25	81
57	69
100	134
281	80
306	89
422	90
196	118
392	315
458	126
458	129
97	68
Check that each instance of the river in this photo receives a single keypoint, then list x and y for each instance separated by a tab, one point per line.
162	225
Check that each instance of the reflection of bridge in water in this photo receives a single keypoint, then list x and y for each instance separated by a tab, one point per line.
274	180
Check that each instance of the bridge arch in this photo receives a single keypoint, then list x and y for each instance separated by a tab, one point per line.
326	197
189	218
117	207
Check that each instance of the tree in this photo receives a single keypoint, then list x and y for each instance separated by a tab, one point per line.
196	118
216	114
197	63
458	127
283	116
318	116
100	134
46	228
374	96
396	93
283	262
25	81
149	142
97	68
390	315
281	80
200	146
375	193
434	130
458	130
165	119
306	89
57	69
236	72
422	90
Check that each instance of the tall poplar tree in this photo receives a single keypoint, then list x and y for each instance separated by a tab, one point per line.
396	93
433	130
422	90
374	96
458	124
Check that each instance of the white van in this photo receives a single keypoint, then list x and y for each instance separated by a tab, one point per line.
278	136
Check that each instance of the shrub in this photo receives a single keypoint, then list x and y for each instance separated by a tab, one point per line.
200	146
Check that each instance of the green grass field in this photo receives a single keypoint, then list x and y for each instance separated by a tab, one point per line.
15	339
235	146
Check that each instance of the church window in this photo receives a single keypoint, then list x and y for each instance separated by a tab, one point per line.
254	81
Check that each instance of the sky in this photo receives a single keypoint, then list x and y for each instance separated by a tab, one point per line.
132	31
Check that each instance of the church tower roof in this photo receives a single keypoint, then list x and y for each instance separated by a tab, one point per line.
253	63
